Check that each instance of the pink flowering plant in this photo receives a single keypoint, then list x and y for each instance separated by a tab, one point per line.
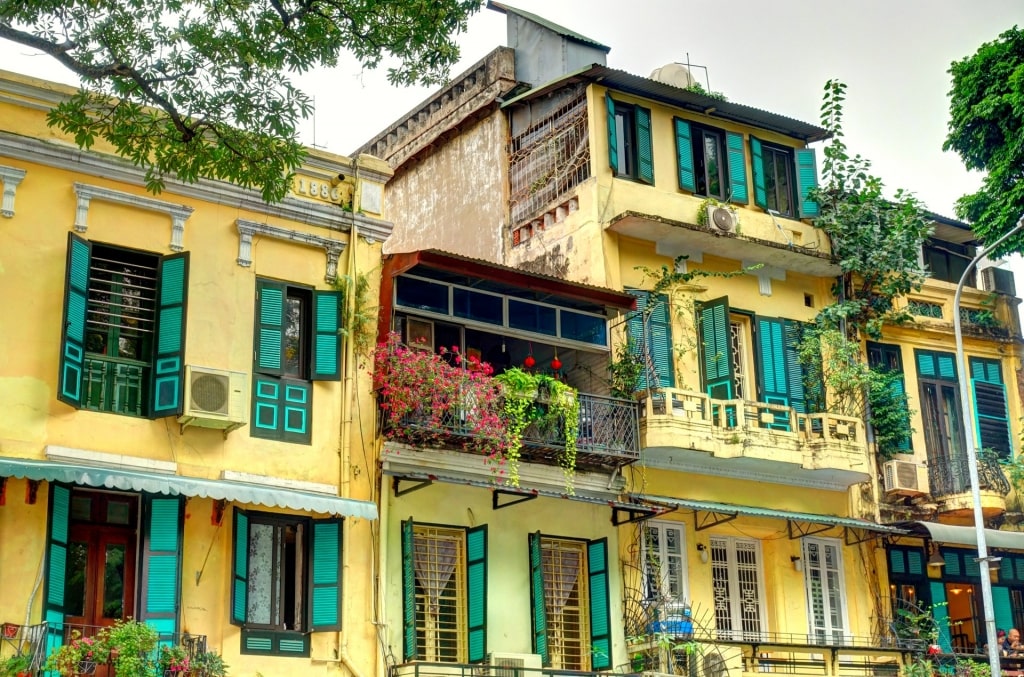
440	398
173	661
80	655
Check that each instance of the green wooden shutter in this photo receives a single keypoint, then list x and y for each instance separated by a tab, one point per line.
240	568
282	409
991	418
538	610
771	366
806	180
933	364
715	353
327	339
737	168
161	562
408	592
476	592
1003	606
325	593
169	355
56	565
76	299
644	146
613	136
794	369
940	612
659	336
269	348
757	167
637	334
600	605
684	155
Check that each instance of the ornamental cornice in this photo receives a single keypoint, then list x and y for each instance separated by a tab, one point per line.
246	230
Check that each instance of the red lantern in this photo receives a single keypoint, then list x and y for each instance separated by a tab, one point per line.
529	362
556	363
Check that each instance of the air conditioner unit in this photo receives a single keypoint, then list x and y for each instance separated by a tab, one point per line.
722	219
214	398
903	478
999	280
515	664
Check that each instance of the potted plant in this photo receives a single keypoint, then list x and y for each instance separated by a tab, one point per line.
130	645
19	665
173	661
79	656
209	664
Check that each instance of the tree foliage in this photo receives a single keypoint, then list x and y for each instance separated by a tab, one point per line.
201	88
986	128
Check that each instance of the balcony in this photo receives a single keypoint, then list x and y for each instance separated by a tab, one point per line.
769	437
114	385
950	485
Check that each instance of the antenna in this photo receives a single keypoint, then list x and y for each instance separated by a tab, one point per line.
691	66
314	144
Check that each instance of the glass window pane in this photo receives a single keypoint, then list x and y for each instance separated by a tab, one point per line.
113	582
294	312
118	512
421	294
476	306
586	328
770	186
261	574
74	579
712	162
81	508
531	317
785	189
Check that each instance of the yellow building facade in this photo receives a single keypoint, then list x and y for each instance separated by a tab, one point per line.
180	440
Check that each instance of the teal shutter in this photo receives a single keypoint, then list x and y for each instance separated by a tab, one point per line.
757	167
270	302
325	593
476	592
659	336
806	180
1002	606
327	339
600	605
613	136
644	146
169	355
538	610
714	344
637	335
940	612
161	562
737	168
76	300
771	366
990	411
932	364
56	565
684	155
282	409
408	592
794	369
240	568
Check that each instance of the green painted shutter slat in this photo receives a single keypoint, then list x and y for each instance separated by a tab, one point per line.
715	351
925	363
476	593
161	562
76	300
1002	606
600	605
538	611
684	156
915	562
771	364
899	390
933	364
940	612
644	145
947	366
270	303
757	167
408	593
952	560
637	336
659	337
56	565
737	168
240	567
794	369
613	137
325	593
169	356
806	180
991	417
327	339
897	562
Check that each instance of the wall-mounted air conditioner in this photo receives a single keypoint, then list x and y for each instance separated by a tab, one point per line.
215	398
903	478
722	219
999	280
514	665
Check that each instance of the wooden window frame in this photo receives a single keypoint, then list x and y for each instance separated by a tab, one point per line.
788	158
582	590
457	580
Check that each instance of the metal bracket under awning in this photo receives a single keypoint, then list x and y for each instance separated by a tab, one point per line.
417	484
636	512
711	519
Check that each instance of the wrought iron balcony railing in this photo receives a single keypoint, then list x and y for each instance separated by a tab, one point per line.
953	477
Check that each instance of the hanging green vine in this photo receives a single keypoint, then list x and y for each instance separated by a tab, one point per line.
359	323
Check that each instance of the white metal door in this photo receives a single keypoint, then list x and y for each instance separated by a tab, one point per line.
826	592
738	582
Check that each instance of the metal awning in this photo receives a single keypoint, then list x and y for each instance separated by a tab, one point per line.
504	496
707	514
177	485
994	538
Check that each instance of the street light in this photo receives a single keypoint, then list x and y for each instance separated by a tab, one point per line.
972	460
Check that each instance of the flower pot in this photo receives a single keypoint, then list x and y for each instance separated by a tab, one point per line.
86	667
11	630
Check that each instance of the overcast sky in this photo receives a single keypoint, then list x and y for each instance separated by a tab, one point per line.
775	55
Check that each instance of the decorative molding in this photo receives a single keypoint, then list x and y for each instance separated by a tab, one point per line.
104	460
11	177
284	483
178	213
69	157
765	274
246	229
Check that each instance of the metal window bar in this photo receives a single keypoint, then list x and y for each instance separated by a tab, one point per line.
567	602
948	477
439	560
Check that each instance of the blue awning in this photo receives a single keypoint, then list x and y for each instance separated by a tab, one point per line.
177	485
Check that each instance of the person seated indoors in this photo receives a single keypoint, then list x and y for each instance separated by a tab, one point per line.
1011	645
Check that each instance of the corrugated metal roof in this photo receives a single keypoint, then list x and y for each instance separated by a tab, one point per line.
550	25
771	513
675	96
994	538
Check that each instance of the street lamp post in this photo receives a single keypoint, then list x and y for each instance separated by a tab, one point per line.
984	560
